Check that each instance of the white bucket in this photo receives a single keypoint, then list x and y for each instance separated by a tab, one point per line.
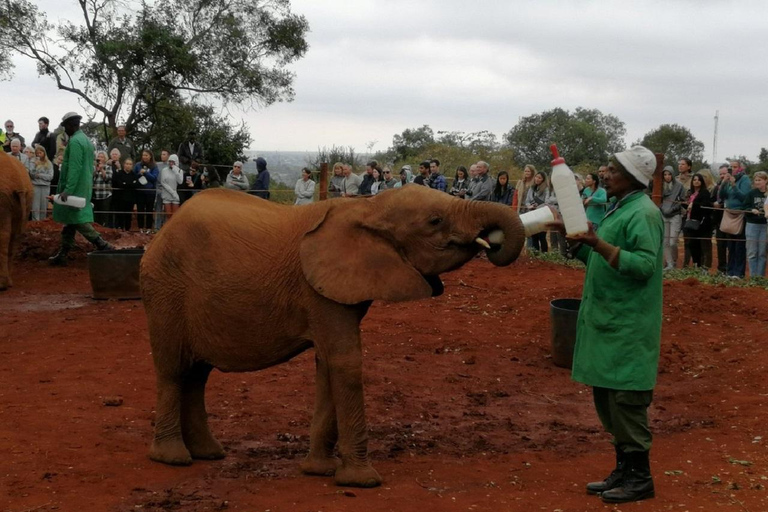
536	221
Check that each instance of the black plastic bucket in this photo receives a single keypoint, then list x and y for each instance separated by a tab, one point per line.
115	274
563	315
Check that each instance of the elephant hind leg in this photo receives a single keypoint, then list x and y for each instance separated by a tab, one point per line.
194	418
168	444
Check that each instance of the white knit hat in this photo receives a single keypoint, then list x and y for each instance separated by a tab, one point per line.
640	162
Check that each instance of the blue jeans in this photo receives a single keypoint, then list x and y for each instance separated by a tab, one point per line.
737	254
159	215
756	246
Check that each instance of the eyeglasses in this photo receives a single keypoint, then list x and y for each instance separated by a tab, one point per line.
387	172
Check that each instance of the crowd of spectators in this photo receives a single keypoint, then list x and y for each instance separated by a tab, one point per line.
694	205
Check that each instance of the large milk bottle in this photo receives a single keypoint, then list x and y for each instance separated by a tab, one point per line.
571	206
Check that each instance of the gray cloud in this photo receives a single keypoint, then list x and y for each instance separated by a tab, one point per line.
375	68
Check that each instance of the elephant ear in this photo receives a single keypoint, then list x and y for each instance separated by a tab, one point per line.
348	259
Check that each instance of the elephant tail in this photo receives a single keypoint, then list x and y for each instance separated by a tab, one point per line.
25	203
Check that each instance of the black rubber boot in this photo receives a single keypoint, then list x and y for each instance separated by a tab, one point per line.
103	245
638	484
60	258
614	480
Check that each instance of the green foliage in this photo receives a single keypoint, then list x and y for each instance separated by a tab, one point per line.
411	142
343	154
586	136
451	157
674	142
126	58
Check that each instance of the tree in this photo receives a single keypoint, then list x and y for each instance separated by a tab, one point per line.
126	57
411	142
476	142
586	136
345	155
674	142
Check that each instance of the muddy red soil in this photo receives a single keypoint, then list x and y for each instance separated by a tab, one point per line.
466	411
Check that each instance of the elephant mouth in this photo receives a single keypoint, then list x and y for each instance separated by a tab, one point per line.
436	284
490	239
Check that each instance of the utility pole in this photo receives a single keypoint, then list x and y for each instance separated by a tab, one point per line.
714	143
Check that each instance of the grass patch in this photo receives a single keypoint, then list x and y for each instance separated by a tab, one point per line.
679	274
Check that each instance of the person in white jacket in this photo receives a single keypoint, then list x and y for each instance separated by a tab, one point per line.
305	188
236	180
171	177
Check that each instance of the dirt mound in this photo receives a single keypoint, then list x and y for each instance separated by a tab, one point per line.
42	239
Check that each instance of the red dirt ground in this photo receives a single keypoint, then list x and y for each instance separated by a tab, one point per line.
465	409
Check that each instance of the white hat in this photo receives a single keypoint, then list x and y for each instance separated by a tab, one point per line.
639	161
70	115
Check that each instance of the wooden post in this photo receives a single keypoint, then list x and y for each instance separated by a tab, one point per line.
324	181
658	179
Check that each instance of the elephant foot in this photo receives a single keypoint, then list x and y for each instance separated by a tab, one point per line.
209	449
170	452
5	284
357	476
320	466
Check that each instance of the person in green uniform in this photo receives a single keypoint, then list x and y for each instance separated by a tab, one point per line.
75	179
619	325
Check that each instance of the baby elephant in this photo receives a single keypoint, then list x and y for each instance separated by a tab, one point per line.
15	201
315	271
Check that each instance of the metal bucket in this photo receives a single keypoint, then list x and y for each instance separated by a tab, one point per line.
115	274
563	314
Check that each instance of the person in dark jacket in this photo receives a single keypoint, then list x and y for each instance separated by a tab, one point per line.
261	185
696	224
45	138
122	143
502	192
124	185
189	151
367	183
193	181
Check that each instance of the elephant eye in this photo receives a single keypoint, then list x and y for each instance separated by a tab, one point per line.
436	221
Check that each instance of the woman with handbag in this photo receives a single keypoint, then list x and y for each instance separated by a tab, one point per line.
697	224
755	229
734	190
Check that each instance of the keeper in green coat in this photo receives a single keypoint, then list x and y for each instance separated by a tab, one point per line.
619	325
75	179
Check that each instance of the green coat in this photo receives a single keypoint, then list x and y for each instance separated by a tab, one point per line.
596	208
76	179
619	326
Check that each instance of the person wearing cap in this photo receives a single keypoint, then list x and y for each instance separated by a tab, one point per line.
236	180
75	179
189	150
619	324
122	143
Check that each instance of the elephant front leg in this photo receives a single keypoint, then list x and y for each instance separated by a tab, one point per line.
346	376
324	432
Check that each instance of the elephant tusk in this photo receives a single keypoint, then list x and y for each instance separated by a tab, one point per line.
483	242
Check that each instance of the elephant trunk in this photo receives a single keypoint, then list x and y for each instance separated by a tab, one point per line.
501	228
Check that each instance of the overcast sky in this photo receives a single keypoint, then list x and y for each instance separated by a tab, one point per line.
376	67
